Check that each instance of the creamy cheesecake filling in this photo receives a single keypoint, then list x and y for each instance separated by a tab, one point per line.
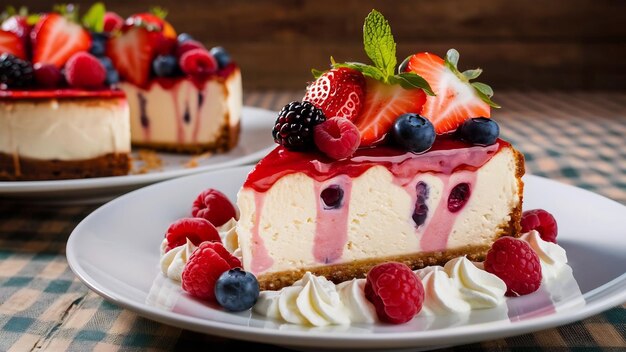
184	111
64	129
289	225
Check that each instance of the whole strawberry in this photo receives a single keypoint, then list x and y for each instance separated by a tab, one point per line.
206	264
338	92
515	263
396	292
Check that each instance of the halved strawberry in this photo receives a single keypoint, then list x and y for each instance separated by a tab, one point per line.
55	39
166	40
383	104
18	25
455	100
132	52
11	43
338	92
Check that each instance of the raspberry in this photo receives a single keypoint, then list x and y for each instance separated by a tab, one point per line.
213	205
47	76
187	45
396	292
337	137
515	262
204	267
542	221
197	230
83	70
198	62
293	128
112	22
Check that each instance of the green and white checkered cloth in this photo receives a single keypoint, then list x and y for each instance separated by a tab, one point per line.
576	138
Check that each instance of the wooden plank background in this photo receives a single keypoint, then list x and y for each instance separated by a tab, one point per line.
521	44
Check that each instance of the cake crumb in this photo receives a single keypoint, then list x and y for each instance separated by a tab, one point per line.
147	160
195	160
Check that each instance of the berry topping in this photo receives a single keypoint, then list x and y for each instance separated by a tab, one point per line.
221	55
213	206
188	45
338	92
56	39
337	137
458	197
542	221
112	22
294	126
198	63
414	132
383	104
197	230
47	75
183	37
456	98
421	209
396	292
12	44
515	262
18	25
332	197
236	290
132	52
165	66
204	267
15	72
98	44
83	70
479	130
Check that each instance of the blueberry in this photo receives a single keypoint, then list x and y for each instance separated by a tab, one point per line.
112	77
165	66
420	213
236	290
183	37
221	55
479	130
404	65
106	62
413	132
332	196
98	44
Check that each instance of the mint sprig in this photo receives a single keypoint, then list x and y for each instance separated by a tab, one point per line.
482	90
94	17
380	47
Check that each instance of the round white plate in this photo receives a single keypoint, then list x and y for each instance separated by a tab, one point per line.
115	251
254	143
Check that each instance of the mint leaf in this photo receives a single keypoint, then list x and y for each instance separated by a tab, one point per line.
410	80
485	93
159	12
366	70
472	74
379	44
94	18
316	73
33	19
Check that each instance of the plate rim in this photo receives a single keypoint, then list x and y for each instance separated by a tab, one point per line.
13	188
614	289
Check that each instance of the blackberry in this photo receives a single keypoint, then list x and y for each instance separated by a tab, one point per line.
15	72
294	125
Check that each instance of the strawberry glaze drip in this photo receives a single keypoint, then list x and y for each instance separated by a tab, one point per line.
446	156
59	94
331	225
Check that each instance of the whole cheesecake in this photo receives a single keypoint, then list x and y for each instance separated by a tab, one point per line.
63	134
305	212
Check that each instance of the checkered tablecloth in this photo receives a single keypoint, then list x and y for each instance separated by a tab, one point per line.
576	138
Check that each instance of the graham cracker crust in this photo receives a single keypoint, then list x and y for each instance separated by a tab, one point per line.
358	269
15	168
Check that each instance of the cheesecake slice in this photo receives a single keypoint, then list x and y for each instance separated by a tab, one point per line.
305	212
63	134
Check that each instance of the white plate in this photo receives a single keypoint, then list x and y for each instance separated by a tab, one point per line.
255	142
115	251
